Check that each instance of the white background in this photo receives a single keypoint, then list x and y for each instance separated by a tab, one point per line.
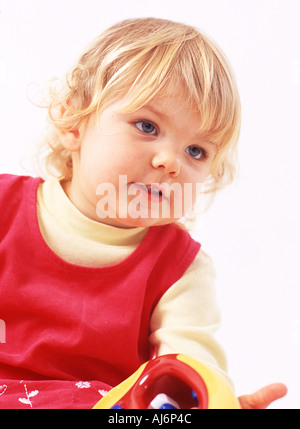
252	229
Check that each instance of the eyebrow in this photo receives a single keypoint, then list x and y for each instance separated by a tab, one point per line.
155	111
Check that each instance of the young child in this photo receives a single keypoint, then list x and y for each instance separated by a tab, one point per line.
97	272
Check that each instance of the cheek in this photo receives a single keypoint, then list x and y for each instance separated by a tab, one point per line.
193	188
96	161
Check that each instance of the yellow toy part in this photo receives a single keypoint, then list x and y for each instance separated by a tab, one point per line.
173	381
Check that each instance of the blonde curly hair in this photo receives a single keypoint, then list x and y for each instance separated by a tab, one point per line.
139	59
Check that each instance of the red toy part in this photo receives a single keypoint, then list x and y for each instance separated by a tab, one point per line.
173	378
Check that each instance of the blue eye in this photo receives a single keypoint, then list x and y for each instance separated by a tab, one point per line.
146	127
195	152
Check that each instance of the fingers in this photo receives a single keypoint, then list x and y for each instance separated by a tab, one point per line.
263	397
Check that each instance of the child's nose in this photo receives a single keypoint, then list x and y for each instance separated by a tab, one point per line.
167	159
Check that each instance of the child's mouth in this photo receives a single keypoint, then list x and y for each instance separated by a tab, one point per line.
152	191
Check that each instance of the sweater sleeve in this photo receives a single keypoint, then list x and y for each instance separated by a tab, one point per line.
187	316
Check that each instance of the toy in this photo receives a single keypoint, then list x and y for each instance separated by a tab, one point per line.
173	381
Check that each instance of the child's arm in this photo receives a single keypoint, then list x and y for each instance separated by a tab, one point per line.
187	316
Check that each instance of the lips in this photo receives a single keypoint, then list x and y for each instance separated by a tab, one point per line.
153	191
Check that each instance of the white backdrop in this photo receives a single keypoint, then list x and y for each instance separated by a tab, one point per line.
252	230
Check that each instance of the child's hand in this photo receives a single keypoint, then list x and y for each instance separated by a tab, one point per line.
263	397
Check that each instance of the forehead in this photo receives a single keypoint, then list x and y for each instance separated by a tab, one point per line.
168	107
166	104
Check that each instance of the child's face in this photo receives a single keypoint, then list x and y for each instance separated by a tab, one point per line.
118	156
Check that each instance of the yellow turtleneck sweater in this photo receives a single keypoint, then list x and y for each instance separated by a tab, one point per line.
187	316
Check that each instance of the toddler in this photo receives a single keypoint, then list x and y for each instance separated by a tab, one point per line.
98	272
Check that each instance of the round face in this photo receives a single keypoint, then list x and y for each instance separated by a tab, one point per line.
142	168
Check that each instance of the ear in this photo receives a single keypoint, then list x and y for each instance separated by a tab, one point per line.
70	140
